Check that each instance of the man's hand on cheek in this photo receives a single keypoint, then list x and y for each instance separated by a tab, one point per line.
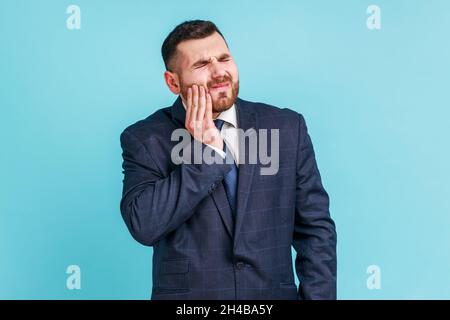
199	119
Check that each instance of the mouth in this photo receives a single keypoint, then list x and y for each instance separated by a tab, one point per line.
220	86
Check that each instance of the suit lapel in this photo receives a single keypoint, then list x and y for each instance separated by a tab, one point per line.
223	206
246	120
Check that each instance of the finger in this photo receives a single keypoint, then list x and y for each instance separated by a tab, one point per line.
194	106
208	111
188	103
202	105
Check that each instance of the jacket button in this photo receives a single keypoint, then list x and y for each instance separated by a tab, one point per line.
240	265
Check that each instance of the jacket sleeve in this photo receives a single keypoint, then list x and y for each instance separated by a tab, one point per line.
314	231
153	205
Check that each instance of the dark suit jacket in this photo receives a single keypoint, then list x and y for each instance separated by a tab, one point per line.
200	250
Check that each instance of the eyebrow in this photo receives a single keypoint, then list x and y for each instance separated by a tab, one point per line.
205	61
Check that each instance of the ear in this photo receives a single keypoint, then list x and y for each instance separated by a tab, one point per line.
172	82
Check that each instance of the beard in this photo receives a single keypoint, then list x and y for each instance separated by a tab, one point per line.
221	99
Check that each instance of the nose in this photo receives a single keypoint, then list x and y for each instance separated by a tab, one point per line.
217	69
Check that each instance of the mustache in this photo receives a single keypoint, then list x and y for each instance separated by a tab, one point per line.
225	79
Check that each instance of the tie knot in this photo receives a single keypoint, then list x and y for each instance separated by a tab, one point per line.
219	123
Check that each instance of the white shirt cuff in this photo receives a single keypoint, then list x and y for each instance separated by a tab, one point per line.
220	152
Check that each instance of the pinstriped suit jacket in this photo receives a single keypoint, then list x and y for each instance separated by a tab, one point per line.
200	250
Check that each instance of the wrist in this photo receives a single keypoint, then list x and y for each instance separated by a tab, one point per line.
217	143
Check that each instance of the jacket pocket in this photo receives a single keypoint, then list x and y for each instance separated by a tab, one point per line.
173	276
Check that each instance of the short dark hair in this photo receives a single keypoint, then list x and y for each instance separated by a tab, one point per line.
188	30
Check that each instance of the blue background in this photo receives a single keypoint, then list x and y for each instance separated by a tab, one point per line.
376	103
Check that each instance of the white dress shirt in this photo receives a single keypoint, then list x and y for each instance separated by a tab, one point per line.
229	132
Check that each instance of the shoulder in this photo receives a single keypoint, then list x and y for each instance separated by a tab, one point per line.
150	126
270	113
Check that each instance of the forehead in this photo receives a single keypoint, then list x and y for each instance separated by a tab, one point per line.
190	51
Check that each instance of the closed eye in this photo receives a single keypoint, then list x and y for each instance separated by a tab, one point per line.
225	57
201	63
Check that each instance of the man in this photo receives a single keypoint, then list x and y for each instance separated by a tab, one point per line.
224	230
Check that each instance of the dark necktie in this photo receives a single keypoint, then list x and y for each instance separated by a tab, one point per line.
231	178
